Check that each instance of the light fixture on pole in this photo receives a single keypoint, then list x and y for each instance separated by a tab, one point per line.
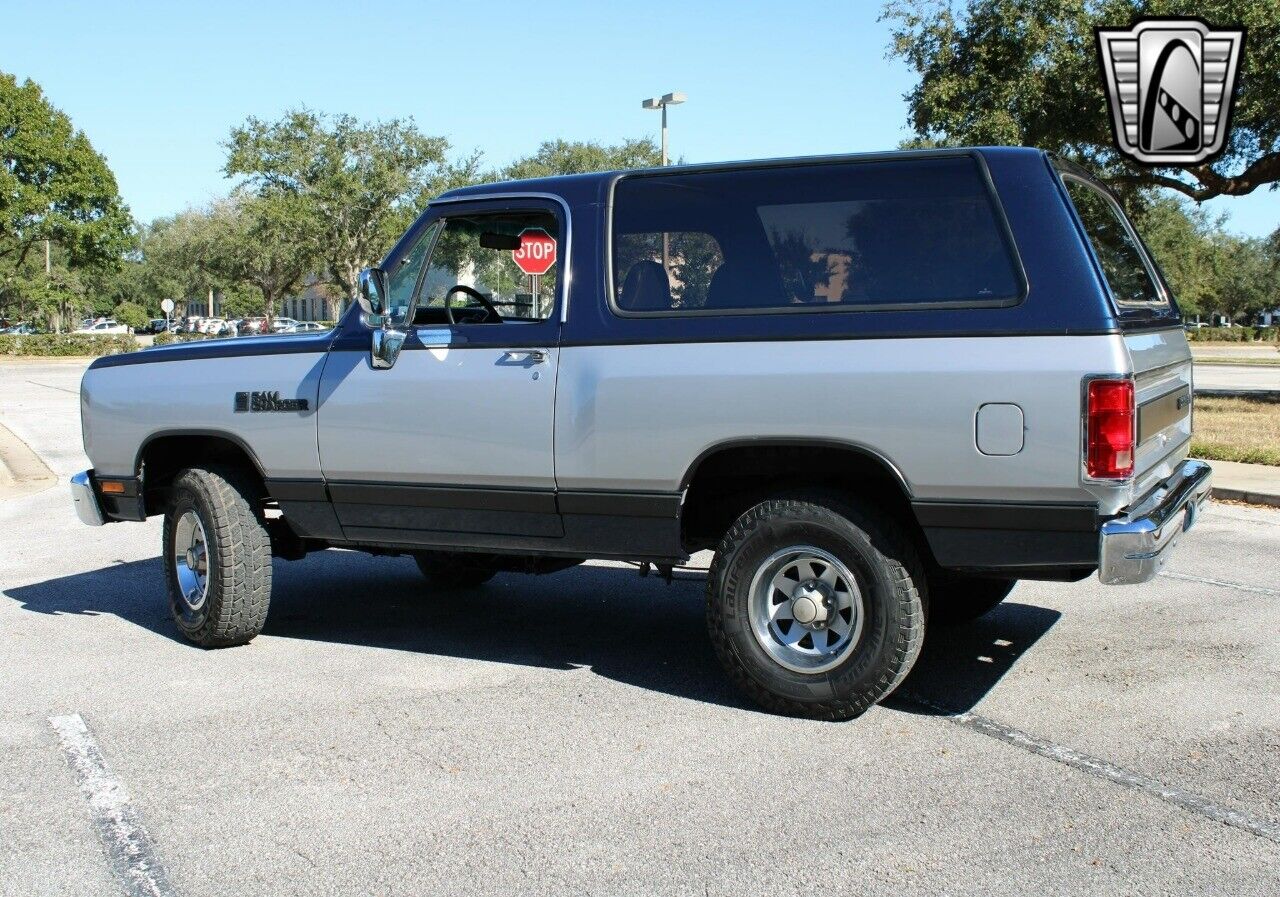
675	98
671	99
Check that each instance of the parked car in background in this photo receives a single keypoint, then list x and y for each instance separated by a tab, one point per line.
310	327
20	329
104	328
284	325
158	325
191	324
212	326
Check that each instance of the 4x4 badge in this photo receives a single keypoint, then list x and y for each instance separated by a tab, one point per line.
268	401
1170	83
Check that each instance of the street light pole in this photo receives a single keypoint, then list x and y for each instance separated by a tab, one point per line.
675	98
663	138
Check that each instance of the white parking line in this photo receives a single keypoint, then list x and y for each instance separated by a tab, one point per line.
1104	770
1238	586
128	846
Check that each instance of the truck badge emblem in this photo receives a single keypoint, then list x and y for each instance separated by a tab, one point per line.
1170	83
267	401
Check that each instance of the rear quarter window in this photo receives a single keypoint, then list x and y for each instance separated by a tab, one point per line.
1115	244
856	236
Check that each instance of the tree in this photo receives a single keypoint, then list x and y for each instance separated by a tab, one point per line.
578	157
181	254
1182	239
260	242
1026	73
356	185
53	185
131	315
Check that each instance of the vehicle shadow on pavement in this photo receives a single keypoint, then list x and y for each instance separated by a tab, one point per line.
959	664
639	631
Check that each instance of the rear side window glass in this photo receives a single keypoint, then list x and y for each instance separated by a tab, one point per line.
839	237
1123	265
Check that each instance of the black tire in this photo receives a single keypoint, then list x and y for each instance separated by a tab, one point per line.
958	599
238	565
455	570
889	575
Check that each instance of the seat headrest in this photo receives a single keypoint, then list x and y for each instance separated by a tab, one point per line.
645	288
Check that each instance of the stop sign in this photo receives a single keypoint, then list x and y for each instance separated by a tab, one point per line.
537	252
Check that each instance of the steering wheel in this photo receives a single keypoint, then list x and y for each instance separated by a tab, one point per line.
480	297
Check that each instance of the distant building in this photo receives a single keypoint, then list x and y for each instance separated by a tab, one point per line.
317	302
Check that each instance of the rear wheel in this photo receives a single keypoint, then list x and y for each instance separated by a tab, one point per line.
455	570
813	606
217	556
959	599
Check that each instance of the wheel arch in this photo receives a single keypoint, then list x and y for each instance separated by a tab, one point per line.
728	477
165	452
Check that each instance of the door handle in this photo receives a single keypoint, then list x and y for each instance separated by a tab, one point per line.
530	356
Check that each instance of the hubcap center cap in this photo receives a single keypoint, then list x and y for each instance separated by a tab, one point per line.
810	604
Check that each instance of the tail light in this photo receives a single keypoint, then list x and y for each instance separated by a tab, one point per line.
1109	429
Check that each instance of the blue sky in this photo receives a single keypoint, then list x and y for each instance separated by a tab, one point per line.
157	86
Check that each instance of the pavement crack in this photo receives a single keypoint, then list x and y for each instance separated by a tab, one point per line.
1222	583
1103	769
74	392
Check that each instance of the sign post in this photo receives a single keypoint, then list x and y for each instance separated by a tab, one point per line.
166	305
536	255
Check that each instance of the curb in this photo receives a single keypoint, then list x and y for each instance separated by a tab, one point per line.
1244	495
1270	395
21	470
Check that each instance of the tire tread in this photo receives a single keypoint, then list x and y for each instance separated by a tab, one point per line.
907	572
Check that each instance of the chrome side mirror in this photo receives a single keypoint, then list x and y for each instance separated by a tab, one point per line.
386	340
386	347
372	294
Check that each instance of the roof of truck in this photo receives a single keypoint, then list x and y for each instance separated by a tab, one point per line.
579	184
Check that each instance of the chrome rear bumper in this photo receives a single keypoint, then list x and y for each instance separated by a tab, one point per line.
1135	546
86	502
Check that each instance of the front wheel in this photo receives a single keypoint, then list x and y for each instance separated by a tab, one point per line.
217	556
814	606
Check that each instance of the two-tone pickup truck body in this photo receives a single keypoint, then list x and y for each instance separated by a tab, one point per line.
950	369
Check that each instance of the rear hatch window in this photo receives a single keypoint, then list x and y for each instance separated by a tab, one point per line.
1137	290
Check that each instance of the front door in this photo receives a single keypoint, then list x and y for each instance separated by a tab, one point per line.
456	437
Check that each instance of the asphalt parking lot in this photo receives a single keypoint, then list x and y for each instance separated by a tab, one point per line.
572	734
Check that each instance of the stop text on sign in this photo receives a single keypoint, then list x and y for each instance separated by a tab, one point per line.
537	252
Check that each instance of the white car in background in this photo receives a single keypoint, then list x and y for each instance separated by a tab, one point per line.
284	325
212	326
104	328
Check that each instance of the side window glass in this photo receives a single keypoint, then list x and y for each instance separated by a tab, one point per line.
492	269
664	271
1121	260
839	236
402	279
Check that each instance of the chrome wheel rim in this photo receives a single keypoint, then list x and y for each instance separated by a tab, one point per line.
191	560
806	609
